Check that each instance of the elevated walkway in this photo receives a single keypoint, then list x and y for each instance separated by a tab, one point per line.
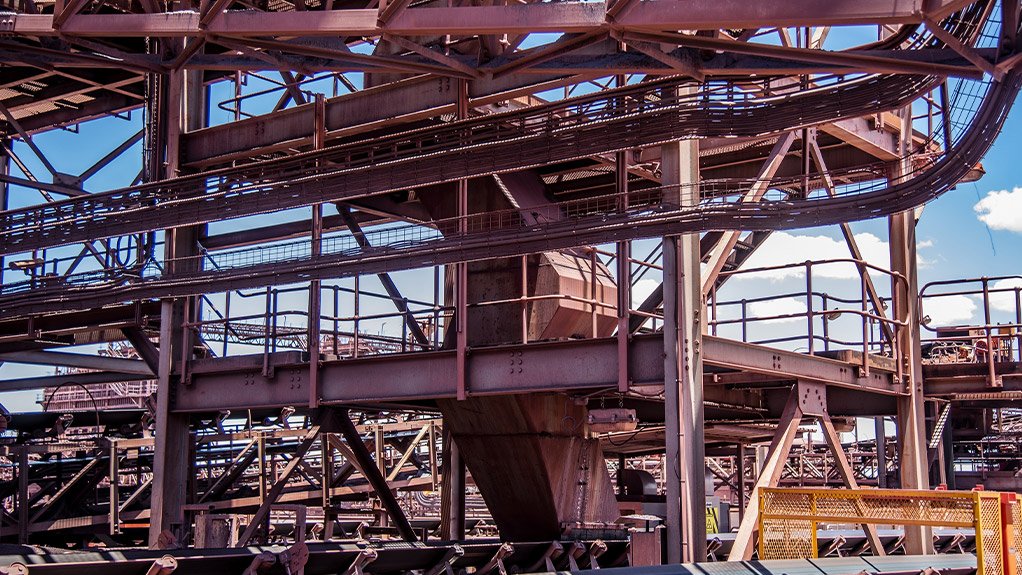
578	365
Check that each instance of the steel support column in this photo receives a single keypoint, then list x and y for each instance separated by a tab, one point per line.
683	371
881	445
740	478
5	165
911	414
461	268
624	270
452	494
182	108
316	249
23	501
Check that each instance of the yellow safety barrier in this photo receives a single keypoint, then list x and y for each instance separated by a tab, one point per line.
789	518
1013	534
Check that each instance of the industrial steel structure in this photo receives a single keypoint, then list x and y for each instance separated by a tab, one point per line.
449	285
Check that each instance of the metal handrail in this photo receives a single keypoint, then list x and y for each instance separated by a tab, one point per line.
988	340
869	316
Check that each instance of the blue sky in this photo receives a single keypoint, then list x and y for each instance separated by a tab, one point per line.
961	241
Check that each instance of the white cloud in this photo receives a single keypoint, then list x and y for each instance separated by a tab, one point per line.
921	260
782	248
949	309
1001	210
642	289
783	306
1004	301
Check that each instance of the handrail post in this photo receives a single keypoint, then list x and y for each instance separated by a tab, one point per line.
865	319
524	298
826	322
355	335
276	308
900	316
1018	329
404	331
227	321
266	335
991	367
592	289
977	527
713	307
436	307
337	314
745	322
809	306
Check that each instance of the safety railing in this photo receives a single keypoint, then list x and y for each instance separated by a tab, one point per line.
352	323
307	87
996	337
789	519
809	316
1000	454
283	321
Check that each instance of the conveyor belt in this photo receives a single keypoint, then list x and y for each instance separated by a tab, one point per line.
429	248
396	557
609	121
324	558
853	541
961	564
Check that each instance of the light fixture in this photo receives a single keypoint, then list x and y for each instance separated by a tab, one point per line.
616	419
24	265
973	175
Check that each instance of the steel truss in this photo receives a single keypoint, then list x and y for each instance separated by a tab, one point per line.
455	147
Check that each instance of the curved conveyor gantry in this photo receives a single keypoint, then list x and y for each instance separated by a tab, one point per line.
644	114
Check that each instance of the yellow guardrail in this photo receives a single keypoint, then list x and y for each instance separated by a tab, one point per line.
789	518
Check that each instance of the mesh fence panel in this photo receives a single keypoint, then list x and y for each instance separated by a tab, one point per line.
988	535
788	540
873	506
1016	512
789	518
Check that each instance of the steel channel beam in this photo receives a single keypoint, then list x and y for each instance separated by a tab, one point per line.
739	356
396	103
956	378
237	383
116	364
422	97
400	102
78	321
41	382
565	17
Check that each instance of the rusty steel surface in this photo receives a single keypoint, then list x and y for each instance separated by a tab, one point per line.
627	117
312	177
587	364
492	168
